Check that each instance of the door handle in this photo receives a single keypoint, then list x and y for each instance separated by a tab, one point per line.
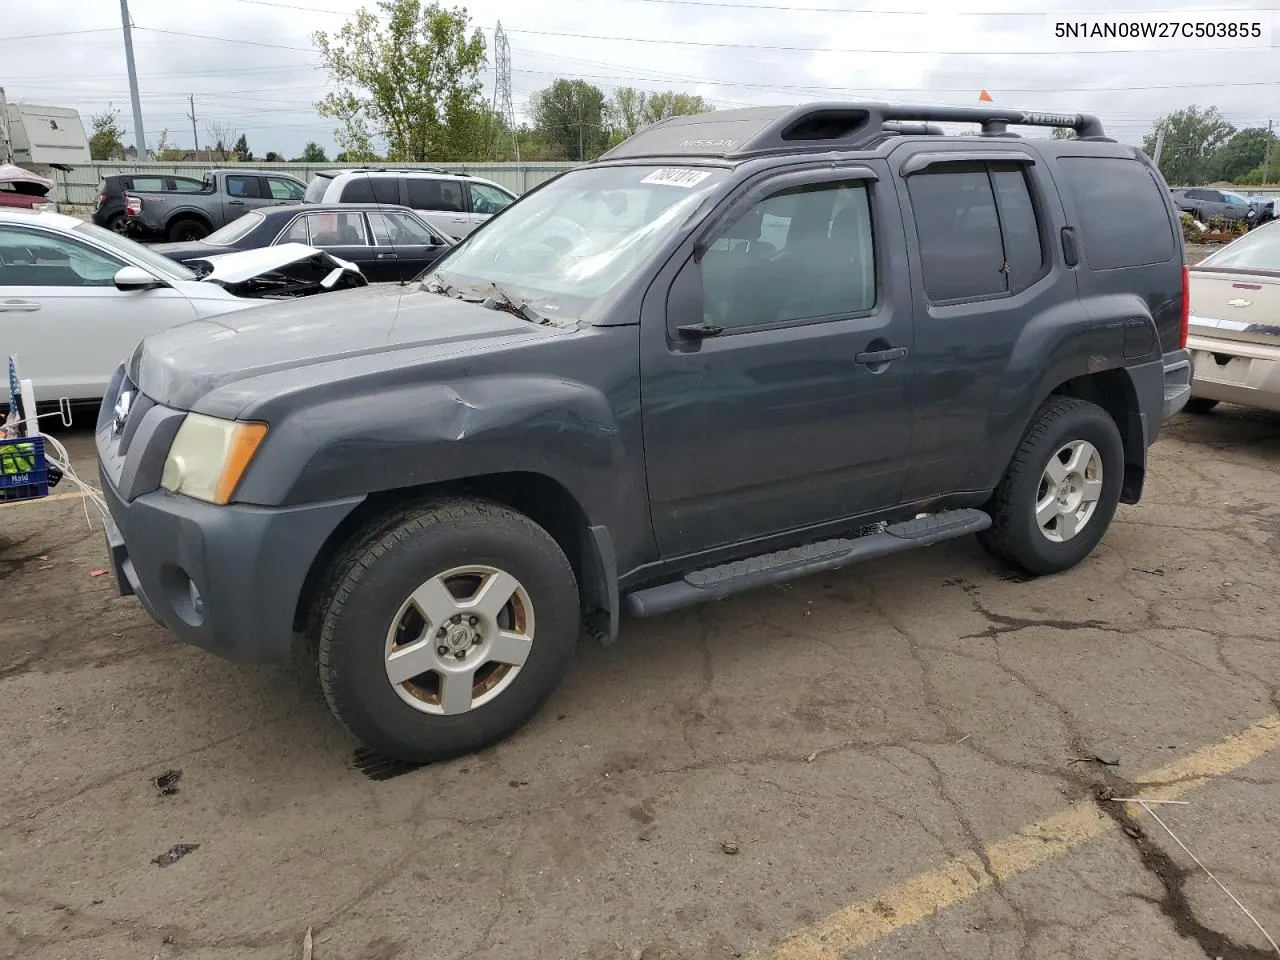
873	357
236	203
18	306
388	256
458	219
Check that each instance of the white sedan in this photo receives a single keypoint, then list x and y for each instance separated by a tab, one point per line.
75	299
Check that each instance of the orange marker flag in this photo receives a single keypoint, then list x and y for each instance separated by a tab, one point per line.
985	97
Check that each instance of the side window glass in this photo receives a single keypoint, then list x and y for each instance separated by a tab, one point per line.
148	184
488	200
1019	226
242	186
297	232
386	190
799	254
398	228
1121	213
358	190
33	259
338	230
284	189
429	194
958	232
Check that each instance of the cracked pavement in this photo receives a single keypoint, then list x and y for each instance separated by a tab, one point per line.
848	732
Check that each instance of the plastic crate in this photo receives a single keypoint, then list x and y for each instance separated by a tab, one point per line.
24	471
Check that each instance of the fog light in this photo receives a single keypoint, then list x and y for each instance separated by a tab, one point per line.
197	601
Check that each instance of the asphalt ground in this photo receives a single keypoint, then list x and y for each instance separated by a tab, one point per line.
902	759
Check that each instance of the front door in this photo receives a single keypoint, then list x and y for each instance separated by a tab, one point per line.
441	203
63	318
405	243
485	201
798	411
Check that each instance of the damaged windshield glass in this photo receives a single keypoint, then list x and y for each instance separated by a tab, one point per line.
565	248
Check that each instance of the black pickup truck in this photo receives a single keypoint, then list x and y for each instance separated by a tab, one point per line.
740	348
183	217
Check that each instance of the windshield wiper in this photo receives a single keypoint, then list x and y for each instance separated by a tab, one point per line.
504	301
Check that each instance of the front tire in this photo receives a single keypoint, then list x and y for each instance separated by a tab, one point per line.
449	625
1060	491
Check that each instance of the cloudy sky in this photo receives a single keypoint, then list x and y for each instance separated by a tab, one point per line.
250	63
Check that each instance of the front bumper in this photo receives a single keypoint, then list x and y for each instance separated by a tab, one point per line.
224	578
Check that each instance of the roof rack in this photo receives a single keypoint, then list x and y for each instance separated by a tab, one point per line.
825	126
332	173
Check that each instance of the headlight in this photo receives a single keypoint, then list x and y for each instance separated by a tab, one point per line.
209	456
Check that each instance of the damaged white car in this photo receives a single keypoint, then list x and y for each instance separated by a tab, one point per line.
75	299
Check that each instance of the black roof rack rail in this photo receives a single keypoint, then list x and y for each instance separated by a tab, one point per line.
825	126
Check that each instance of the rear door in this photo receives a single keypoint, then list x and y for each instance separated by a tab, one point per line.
243	193
405	244
442	203
978	223
64	319
345	234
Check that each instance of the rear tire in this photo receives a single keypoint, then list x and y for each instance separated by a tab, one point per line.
1200	405
118	224
421	589
186	230
1046	518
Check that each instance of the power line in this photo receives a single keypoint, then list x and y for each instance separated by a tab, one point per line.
863	50
727	4
205	36
60	33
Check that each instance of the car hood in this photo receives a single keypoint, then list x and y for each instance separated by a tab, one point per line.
226	362
242	265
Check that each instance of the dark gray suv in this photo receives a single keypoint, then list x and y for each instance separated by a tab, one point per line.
740	348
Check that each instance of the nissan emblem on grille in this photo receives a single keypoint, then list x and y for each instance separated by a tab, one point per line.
121	412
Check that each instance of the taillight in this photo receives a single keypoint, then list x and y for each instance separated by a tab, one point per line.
1186	306
101	199
133	206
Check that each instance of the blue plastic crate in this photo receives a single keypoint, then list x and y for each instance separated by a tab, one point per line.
24	471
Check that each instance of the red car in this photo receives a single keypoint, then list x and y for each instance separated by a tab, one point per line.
23	189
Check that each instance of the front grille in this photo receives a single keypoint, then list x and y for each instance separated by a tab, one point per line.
133	437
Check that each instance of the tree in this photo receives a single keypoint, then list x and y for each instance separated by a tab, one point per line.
241	150
630	109
569	116
409	76
1191	137
272	157
1063	133
105	143
1241	154
313	153
220	134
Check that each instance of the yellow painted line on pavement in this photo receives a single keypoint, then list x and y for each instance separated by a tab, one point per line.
862	924
78	495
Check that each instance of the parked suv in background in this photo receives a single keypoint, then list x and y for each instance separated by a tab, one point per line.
739	348
1205	203
108	204
453	203
224	195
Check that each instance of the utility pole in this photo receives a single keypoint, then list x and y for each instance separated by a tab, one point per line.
580	156
1266	157
138	134
191	99
1159	146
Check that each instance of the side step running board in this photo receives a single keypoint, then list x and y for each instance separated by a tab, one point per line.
715	583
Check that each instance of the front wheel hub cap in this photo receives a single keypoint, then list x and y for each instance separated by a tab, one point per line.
1069	492
459	640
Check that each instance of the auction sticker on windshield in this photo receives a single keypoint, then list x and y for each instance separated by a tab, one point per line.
676	177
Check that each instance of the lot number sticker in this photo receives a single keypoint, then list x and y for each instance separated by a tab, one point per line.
676	177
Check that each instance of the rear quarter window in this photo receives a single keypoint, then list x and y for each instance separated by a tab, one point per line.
371	190
1120	211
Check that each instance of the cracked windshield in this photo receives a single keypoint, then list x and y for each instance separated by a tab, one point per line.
566	247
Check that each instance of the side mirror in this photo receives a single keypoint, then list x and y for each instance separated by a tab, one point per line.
135	278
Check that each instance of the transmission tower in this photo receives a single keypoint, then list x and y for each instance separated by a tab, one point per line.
502	106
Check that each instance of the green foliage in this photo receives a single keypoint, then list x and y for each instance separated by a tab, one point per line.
313	153
570	118
630	110
241	150
105	142
1063	133
1192	136
1263	175
407	74
1245	151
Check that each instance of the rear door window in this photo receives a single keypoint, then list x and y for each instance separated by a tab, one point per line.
426	193
242	187
148	184
1121	212
958	230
